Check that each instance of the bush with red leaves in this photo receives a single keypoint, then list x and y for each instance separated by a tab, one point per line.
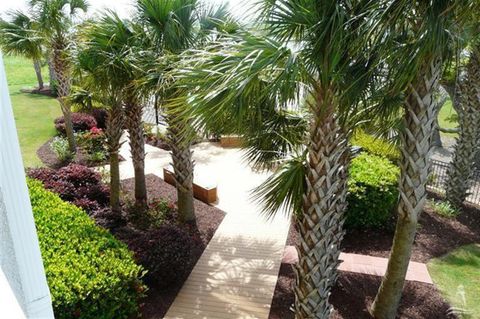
80	122
100	116
75	183
166	252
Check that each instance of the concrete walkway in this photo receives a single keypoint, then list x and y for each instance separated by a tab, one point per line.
368	265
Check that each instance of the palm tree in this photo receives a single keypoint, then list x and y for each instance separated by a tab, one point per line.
20	37
418	37
108	54
304	55
468	110
175	26
100	58
55	21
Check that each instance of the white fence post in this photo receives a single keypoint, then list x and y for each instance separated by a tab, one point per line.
33	293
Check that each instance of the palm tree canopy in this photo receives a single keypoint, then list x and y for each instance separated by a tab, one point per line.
19	36
55	17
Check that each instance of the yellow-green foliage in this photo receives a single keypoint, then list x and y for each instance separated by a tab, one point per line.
373	192
376	146
90	273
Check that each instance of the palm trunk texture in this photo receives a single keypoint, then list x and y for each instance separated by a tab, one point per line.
38	72
183	166
63	77
461	168
324	205
419	122
114	133
137	148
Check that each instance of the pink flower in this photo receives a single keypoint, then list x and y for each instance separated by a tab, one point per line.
95	130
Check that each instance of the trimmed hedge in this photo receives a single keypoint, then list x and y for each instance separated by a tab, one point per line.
90	273
373	192
376	146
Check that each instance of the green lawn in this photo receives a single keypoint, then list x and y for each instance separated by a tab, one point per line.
457	275
34	114
446	118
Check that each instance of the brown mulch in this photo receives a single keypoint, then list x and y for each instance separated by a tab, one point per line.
436	236
354	293
48	157
45	91
157	302
153	141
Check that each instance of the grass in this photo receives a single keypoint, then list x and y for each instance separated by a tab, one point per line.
447	118
457	275
34	114
443	208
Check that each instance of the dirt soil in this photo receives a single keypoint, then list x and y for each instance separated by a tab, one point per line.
436	236
157	302
354	293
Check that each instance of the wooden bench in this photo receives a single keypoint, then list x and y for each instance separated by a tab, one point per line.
205	192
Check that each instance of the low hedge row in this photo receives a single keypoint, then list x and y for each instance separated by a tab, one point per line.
373	192
376	146
90	273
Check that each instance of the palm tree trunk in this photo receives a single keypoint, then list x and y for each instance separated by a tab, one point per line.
462	166
53	78
63	77
324	205
114	133
419	122
38	71
183	166
137	148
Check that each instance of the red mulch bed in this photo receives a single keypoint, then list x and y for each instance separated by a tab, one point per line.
157	302
48	157
354	293
153	141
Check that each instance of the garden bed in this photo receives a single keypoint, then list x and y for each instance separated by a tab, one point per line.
436	236
158	300
49	159
354	293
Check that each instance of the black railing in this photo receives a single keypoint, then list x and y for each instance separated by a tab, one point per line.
438	179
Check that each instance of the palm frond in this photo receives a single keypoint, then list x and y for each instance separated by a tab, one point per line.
283	191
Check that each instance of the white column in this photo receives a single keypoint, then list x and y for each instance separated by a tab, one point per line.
36	300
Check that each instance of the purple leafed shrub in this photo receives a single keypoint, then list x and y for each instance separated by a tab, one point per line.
75	183
80	122
166	252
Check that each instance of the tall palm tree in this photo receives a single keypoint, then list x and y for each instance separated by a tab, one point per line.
468	110
419	36
56	18
108	54
19	36
304	55
100	58
175	26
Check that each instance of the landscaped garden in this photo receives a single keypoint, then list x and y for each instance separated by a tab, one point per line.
333	122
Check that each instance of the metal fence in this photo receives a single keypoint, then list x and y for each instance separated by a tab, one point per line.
438	179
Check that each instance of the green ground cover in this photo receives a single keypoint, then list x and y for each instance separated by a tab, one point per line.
457	275
34	114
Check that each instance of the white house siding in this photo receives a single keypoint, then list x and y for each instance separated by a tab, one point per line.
20	257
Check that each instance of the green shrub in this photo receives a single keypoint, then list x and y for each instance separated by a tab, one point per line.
376	146
90	273
60	147
444	209
373	192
